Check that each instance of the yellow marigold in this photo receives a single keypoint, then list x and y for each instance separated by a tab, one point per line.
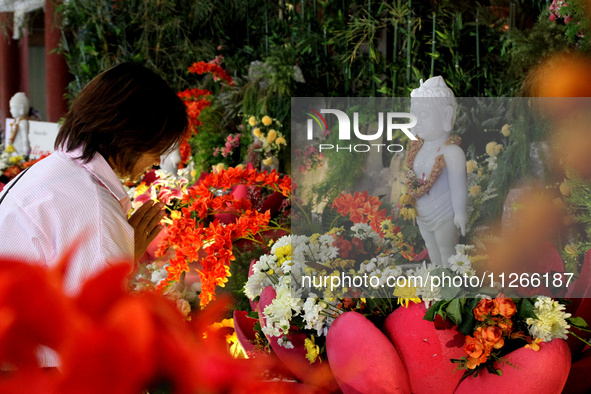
471	165
9	149
252	121
564	189
475	190
271	136
257	132
506	130
175	215
267	120
493	149
268	161
280	141
312	350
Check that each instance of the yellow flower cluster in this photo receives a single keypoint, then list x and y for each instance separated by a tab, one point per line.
15	159
493	149
474	190
283	254
506	130
407	210
471	165
312	350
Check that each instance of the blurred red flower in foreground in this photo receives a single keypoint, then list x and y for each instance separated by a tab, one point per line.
109	340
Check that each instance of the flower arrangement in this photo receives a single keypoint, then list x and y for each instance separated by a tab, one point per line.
371	247
196	234
269	140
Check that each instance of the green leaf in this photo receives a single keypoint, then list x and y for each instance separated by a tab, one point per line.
467	326
432	311
577	322
442	35
253	314
454	311
527	310
448	293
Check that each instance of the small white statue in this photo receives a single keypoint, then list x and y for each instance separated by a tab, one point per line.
437	170
170	162
19	129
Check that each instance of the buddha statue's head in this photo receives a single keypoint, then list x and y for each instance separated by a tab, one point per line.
435	106
19	105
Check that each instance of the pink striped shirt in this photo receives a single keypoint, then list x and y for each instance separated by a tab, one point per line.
60	203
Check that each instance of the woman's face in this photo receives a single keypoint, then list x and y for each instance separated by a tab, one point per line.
143	165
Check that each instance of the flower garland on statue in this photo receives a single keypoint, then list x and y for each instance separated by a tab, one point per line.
417	188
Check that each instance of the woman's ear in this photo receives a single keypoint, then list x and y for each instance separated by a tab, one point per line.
448	116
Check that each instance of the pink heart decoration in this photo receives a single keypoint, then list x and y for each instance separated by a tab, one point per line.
541	372
424	350
295	359
362	359
244	328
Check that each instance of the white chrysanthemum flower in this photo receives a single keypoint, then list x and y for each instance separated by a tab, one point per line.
551	322
460	263
326	239
464	249
327	253
368	267
364	231
279	313
422	282
256	284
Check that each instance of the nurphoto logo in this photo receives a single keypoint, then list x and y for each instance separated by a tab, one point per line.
344	124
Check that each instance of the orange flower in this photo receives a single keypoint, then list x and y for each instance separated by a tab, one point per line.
506	325
482	310
504	307
199	231
492	337
476	352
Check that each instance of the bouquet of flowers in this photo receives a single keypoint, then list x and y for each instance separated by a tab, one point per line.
269	140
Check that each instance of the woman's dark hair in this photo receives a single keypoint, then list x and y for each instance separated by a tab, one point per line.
123	113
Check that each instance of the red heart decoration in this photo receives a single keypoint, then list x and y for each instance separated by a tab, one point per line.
541	372
424	350
362	359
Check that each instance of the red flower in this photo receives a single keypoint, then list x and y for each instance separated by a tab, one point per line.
344	247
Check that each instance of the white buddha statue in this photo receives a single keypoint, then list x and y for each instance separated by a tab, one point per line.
170	162
438	177
18	135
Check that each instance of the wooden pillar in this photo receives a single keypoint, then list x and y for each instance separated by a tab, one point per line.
9	67
56	70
